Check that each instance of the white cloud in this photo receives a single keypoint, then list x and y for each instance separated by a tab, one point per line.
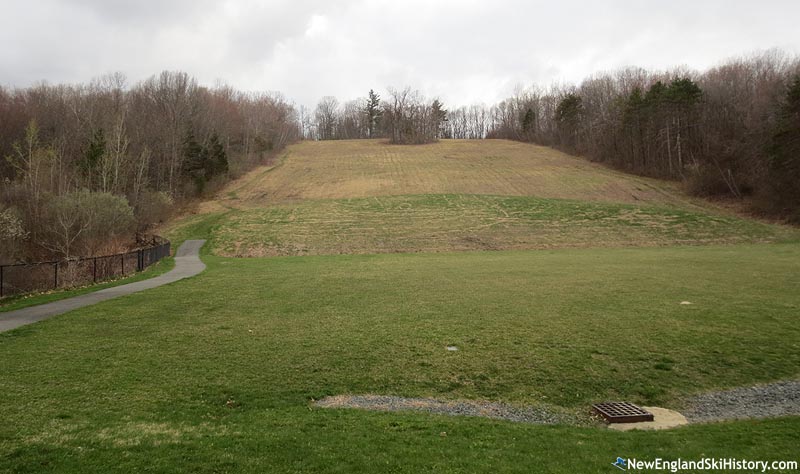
462	51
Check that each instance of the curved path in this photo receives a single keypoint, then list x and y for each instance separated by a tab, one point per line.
187	264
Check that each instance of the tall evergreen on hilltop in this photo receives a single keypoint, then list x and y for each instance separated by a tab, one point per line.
439	117
373	112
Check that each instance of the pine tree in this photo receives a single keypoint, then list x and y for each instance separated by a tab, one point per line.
94	156
195	159
527	124
373	112
568	116
217	158
633	118
439	117
683	91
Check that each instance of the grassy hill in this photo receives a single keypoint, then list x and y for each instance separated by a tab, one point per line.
366	196
218	373
366	168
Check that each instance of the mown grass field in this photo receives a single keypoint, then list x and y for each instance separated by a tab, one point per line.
215	373
365	196
365	284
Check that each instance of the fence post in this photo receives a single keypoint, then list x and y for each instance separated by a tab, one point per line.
55	276
1	280
122	263
94	270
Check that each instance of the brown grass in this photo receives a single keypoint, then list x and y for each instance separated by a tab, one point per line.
366	168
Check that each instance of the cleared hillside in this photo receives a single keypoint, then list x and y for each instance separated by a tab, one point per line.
366	168
356	197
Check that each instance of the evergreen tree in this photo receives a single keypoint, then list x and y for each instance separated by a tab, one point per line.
201	163
568	117
217	158
195	158
633	121
655	94
684	91
439	117
527	123
373	113
94	156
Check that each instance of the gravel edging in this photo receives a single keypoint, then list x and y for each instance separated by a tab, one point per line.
493	410
760	401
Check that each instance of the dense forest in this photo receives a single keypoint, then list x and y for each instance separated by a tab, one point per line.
731	131
87	168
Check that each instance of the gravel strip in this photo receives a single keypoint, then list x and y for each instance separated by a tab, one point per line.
498	411
761	401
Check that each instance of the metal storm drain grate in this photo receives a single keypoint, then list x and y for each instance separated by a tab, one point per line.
622	412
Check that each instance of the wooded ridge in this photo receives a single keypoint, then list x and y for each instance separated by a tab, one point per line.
88	166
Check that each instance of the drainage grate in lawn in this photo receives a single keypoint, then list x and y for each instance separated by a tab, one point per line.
622	412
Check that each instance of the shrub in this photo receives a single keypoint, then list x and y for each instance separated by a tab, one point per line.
84	222
152	207
12	233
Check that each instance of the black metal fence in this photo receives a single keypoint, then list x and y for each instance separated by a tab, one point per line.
29	277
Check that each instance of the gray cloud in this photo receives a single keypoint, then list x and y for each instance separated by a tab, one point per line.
462	51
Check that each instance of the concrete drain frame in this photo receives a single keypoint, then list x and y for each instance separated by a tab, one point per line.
622	412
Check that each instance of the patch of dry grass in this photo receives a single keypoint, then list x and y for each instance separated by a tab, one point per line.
366	168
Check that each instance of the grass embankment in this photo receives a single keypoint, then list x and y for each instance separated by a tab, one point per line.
215	373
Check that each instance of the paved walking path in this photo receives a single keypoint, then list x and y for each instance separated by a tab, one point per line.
187	264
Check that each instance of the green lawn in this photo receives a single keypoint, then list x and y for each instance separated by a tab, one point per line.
215	373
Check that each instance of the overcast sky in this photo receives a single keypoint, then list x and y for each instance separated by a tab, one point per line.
462	51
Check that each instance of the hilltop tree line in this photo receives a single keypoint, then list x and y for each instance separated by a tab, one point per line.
86	167
732	131
406	117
